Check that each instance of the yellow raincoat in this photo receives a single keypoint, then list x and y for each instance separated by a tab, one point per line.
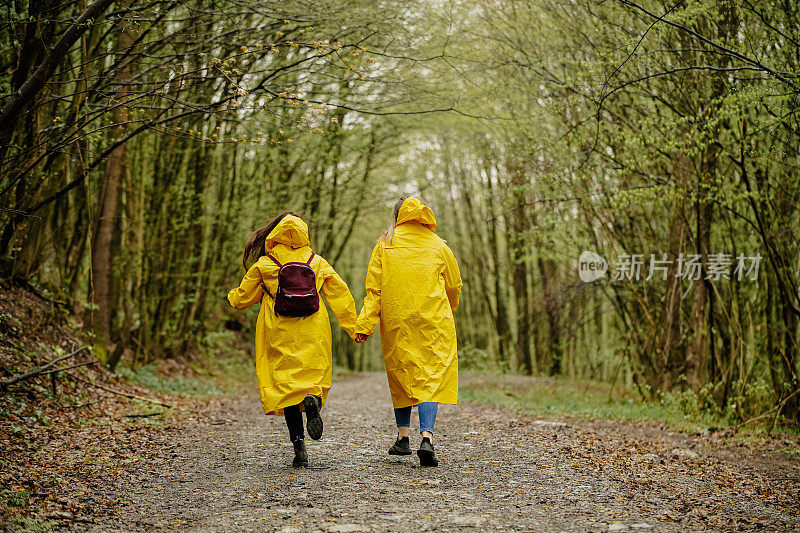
293	355
413	286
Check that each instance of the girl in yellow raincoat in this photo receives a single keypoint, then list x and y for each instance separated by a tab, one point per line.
293	354
413	286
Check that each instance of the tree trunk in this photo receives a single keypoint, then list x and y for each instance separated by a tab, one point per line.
108	207
669	340
519	228
697	354
552	308
501	315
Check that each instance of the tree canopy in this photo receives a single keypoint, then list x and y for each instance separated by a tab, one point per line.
140	142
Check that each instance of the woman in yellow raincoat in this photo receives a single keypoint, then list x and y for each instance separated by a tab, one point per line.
293	355
413	286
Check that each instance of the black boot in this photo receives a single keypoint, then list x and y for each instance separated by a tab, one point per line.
300	455
427	457
400	447
313	420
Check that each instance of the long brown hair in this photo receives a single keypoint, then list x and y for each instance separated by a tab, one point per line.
388	235
254	245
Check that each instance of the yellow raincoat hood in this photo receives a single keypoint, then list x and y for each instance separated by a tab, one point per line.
413	288
291	231
413	210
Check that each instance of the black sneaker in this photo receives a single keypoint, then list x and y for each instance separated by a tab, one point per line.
313	420
300	455
427	457
400	447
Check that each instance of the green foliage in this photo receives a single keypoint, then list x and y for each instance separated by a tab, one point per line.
31	524
630	135
747	400
15	498
147	376
558	397
477	360
228	363
222	369
697	407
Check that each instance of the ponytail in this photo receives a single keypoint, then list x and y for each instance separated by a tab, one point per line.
388	235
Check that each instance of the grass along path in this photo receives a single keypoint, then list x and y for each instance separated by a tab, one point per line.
587	400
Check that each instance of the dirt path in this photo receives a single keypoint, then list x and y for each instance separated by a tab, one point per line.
499	472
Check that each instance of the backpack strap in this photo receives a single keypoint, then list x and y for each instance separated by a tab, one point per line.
275	260
309	259
266	290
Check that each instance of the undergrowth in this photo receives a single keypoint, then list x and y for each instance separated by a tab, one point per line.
560	397
219	368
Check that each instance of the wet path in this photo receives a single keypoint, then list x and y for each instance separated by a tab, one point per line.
498	472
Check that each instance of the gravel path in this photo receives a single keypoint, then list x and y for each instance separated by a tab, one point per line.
499	471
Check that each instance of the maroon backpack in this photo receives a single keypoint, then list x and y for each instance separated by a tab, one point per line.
297	289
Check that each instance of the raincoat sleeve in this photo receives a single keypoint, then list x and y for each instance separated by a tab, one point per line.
339	299
452	278
370	315
249	291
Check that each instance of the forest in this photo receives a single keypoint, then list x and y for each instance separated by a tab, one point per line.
618	180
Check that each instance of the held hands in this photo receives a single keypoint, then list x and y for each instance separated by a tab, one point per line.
361	337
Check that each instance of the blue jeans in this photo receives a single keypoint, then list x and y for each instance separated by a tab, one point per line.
427	416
